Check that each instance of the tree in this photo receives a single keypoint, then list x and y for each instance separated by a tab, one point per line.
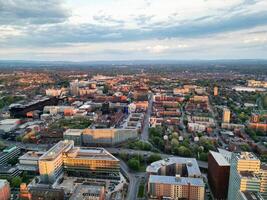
153	158
203	156
16	181
134	164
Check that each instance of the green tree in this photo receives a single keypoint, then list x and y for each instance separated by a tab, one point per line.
153	158
134	164
16	181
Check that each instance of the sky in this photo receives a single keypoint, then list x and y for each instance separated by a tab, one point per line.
89	30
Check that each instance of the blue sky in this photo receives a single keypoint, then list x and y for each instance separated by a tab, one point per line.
81	30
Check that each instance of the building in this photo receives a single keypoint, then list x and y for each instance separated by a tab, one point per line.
75	135
247	178
254	83
218	175
215	91
4	190
90	192
76	161
108	137
226	115
175	178
9	153
29	162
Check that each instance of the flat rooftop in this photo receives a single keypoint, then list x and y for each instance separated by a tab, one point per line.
32	155
176	180
57	149
83	190
247	156
220	159
190	163
90	154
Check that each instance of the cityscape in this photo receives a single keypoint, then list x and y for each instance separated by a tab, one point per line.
133	100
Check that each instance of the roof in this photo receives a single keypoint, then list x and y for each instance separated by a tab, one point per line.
190	163
3	182
176	180
73	132
220	159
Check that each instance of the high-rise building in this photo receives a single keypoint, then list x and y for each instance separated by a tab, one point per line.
74	87
218	174
175	178
247	177
215	91
226	115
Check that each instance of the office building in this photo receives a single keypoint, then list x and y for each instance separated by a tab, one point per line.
226	115
175	178
4	190
247	178
75	135
29	162
108	137
218	175
76	161
9	153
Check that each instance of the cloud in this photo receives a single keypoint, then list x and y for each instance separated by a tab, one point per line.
21	12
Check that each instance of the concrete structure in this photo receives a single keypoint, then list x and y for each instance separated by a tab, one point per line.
4	190
175	178
218	175
247	178
75	161
226	115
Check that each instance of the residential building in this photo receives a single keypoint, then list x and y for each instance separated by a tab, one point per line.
175	178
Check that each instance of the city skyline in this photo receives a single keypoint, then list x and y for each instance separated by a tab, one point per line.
132	30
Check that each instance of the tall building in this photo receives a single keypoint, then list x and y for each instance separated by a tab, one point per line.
74	87
215	91
175	178
226	115
76	161
247	178
4	189
218	175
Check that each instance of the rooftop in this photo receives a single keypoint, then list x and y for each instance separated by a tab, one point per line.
190	163
220	159
176	180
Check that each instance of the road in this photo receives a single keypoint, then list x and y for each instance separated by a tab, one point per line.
145	134
134	181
